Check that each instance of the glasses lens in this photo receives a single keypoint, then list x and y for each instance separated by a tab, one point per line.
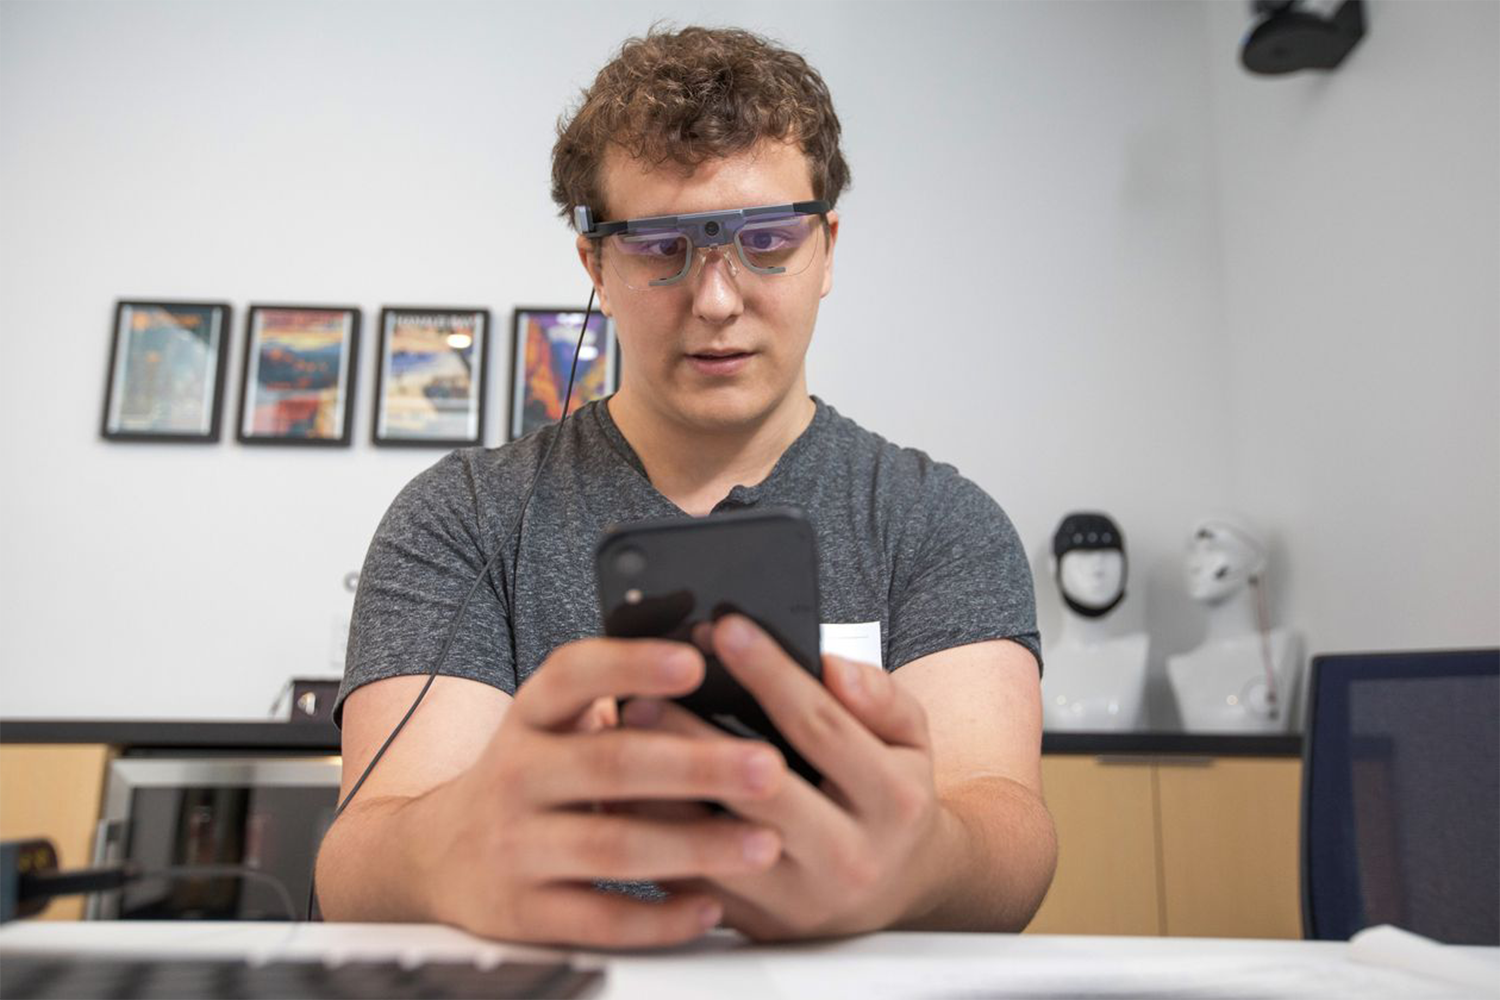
779	246
645	259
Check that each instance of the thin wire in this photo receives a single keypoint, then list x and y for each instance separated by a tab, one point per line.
280	697
225	871
520	529
1263	619
515	531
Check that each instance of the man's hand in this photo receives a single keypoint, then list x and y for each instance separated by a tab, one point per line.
857	854
516	840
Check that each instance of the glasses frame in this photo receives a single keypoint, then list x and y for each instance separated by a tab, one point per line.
702	229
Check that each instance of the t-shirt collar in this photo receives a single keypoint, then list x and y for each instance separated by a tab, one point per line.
796	456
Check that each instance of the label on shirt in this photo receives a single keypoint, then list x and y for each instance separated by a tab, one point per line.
852	641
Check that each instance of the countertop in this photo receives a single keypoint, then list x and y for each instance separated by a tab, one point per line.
322	737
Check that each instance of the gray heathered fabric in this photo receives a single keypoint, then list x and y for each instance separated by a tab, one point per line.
901	539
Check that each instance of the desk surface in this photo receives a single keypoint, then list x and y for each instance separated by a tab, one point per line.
868	968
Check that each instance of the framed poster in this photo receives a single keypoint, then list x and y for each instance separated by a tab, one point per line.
297	386
542	343
166	371
431	382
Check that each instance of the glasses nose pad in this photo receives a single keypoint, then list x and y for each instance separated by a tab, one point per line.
723	251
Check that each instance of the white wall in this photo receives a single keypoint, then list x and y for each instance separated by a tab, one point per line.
1065	335
1361	227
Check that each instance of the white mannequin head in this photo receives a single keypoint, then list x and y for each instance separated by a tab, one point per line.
1224	555
1093	578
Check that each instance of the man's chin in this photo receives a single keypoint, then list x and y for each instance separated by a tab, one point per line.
726	409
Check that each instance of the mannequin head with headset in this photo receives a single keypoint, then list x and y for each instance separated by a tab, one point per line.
1225	554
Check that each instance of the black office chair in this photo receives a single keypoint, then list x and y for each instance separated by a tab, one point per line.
1401	795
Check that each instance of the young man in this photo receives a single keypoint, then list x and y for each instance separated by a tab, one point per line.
502	804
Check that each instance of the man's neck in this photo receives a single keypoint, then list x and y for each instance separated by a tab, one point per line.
696	469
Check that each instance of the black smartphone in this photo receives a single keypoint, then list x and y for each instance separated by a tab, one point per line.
659	579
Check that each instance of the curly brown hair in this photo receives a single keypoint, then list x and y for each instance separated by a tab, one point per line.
691	95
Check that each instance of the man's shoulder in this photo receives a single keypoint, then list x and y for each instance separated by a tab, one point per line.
498	469
889	465
930	500
454	475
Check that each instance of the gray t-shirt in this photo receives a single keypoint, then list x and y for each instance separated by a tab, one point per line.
903	541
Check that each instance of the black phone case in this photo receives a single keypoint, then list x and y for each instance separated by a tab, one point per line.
660	578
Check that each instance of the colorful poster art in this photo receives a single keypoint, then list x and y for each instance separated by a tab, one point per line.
542	356
165	373
298	368
431	386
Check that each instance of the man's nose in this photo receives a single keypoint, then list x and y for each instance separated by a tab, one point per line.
716	295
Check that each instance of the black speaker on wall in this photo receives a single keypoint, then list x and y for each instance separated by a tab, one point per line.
1292	35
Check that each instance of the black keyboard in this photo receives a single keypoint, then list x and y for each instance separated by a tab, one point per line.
87	977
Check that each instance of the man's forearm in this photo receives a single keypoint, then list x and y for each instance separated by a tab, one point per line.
372	862
992	860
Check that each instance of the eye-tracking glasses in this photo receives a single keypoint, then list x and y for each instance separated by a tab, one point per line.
658	252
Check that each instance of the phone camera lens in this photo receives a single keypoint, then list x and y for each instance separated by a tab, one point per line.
630	562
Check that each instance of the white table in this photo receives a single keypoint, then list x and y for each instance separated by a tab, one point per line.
868	968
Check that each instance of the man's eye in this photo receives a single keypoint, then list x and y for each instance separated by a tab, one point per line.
664	247
763	240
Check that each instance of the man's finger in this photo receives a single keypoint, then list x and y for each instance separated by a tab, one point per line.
874	698
578	673
813	827
625	764
703	636
578	846
807	714
740	912
582	915
603	713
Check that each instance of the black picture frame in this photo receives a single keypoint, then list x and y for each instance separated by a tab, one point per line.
523	416
298	414
165	380
400	419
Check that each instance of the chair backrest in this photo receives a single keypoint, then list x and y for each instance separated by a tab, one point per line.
1401	795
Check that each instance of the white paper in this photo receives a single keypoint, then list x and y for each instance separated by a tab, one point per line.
853	641
1086	978
1395	948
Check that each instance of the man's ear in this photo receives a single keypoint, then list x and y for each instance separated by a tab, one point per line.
588	256
832	232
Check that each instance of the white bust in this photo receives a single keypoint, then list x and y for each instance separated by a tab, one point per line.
1096	672
1244	676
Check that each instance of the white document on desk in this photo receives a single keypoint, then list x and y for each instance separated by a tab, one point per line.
1084	970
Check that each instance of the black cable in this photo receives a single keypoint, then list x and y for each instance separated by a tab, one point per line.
36	887
520	529
515	531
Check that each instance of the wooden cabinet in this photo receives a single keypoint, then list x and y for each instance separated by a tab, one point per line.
1106	880
54	791
1200	846
1229	847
